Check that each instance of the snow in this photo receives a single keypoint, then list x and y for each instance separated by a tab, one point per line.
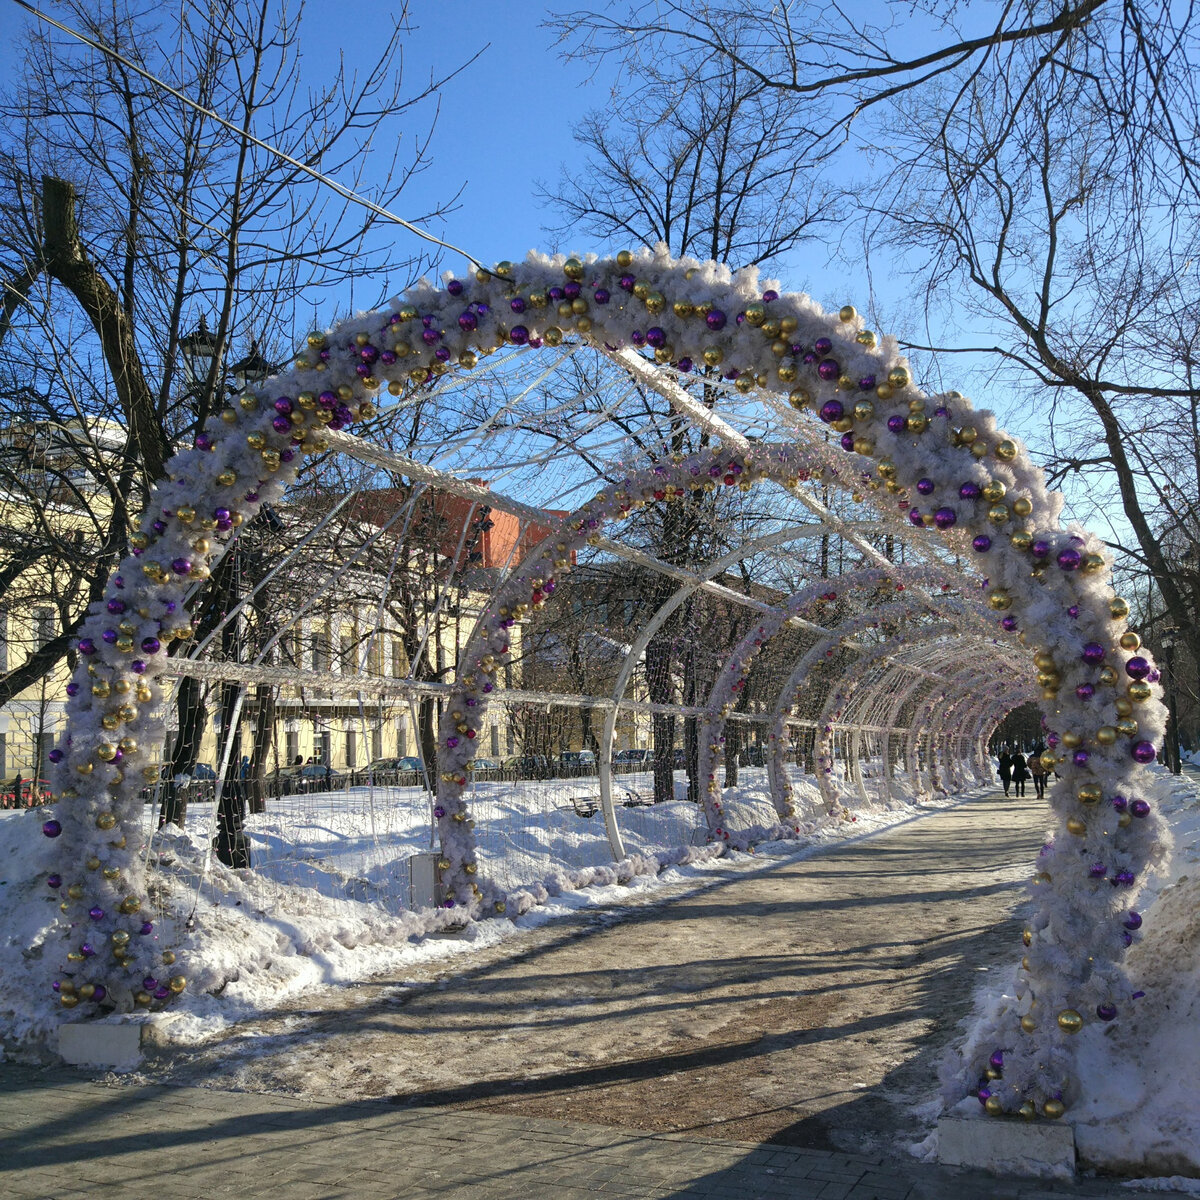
327	906
1136	1111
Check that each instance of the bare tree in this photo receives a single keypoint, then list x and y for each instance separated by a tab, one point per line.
1036	167
153	214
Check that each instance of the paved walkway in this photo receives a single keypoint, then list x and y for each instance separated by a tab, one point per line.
63	1137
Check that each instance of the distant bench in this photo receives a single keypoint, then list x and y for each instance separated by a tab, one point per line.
589	806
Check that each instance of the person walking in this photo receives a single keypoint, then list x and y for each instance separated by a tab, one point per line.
1038	772
1020	773
1004	765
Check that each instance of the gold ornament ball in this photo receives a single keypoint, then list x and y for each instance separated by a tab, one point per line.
1072	740
168	957
1028	1025
624	259
999	600
177	983
898	377
1006	450
1124	706
756	314
120	937
1088	793
1054	1109
572	268
847	312
1022	506
142	999
75	891
866	338
998	514
87	991
1130	640
787	372
993	491
1069	1021
1027	1110
993	1106
1106	735
1140	691
105	820
1118	608
714	356
1127	727
1108	676
1076	826
68	999
1021	540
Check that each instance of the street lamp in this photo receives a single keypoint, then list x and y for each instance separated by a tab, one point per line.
252	370
200	350
1167	639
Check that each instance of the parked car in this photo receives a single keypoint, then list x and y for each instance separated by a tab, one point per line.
528	766
203	771
638	758
577	762
484	768
311	777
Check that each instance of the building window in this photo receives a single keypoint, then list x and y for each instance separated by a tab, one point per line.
401	738
495	740
325	747
43	625
351	749
346	654
293	747
3	753
375	656
376	742
319	644
3	642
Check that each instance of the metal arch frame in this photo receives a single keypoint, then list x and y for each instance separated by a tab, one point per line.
803	665
756	641
887	651
761	462
948	650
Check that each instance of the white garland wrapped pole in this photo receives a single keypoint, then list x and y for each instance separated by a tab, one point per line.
947	465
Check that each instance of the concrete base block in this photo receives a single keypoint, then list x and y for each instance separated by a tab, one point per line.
96	1044
1007	1147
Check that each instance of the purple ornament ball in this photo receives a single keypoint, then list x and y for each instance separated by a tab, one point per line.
601	295
1144	752
147	928
915	518
439	812
96	913
1134	920
518	335
1137	667
151	645
54	882
828	369
944	518
896	424
87	646
99	992
455	287
1120	803
969	490
1097	870
1093	653
831	411
1139	809
823	345
769	295
656	337
1009	623
1069	559
1040	548
847	441
925	486
55	755
997	1059
981	544
51	828
1106	1012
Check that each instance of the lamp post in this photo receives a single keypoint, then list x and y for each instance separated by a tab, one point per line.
1167	639
200	351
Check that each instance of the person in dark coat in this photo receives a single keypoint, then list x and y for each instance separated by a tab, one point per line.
1020	773
1038	771
1004	764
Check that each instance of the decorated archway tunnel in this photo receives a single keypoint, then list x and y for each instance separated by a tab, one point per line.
723	350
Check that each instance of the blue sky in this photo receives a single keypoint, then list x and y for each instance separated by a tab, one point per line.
506	123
